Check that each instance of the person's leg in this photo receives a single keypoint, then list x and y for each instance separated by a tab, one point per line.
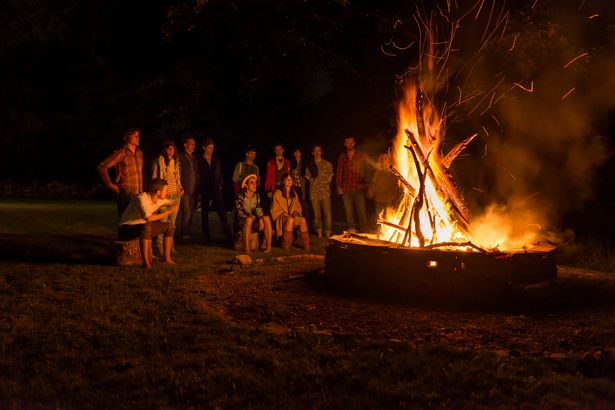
205	207
359	199
317	217
247	233
287	235
348	200
145	243
305	235
219	205
326	206
268	232
187	208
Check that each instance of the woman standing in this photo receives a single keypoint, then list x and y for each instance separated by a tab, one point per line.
286	214
298	170
167	167
320	174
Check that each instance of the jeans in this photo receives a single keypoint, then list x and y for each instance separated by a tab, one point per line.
358	199
208	199
187	206
322	207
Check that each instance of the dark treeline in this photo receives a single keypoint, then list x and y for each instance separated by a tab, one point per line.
75	74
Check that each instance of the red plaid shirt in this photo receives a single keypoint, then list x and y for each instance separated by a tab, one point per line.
129	169
350	175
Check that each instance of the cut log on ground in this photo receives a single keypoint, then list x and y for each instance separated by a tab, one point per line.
125	253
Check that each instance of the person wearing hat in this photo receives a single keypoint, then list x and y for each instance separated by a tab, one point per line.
168	168
128	162
249	216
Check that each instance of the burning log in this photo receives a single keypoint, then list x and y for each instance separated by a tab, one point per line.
403	180
455	151
443	183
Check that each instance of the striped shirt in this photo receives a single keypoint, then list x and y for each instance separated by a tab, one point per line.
129	169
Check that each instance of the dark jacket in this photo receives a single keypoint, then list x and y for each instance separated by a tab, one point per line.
189	173
210	175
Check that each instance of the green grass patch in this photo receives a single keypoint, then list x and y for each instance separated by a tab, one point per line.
80	334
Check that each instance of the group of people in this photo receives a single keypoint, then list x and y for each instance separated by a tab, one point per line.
296	194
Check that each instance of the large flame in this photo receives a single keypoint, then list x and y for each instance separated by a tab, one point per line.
443	217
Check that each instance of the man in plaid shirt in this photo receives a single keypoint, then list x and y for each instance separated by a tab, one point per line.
351	182
128	163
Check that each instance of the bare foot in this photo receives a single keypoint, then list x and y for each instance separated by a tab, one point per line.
170	261
267	250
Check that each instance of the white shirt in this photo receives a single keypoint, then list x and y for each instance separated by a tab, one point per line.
141	207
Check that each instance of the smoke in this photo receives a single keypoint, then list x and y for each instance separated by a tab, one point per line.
541	143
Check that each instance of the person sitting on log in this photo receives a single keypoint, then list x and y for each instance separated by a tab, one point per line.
286	214
249	215
140	220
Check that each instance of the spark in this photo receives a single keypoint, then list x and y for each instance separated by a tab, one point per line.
568	93
536	225
386	53
479	190
489	106
529	90
479	9
514	42
593	16
575	59
485	129
403	48
485	153
396	23
582	4
510	173
496	121
529	197
534	5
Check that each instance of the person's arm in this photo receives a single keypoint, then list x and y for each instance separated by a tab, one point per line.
155	169
157	216
103	169
270	178
339	175
242	213
237	173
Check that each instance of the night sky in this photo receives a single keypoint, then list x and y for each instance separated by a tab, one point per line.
75	74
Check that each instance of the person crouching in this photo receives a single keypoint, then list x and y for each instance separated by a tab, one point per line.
140	220
286	214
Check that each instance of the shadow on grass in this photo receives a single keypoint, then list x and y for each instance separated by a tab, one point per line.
55	248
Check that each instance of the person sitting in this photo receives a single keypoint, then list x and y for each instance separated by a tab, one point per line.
140	220
286	214
249	214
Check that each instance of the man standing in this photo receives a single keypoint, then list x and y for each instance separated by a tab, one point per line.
128	162
351	182
140	220
244	168
276	168
210	172
189	181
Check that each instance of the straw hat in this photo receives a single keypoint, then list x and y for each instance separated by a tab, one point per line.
245	180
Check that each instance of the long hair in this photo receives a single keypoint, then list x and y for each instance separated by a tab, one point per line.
167	159
292	191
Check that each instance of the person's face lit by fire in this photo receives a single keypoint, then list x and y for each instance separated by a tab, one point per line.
317	152
279	151
288	183
169	151
297	155
133	139
209	149
189	146
251	156
385	161
349	143
163	193
251	185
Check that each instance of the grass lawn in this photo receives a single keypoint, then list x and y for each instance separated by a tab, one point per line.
76	332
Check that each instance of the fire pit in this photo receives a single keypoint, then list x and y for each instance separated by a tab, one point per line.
364	264
428	246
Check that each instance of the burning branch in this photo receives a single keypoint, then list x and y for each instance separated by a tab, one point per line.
403	180
456	150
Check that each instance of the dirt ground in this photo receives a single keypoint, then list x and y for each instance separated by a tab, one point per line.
572	317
